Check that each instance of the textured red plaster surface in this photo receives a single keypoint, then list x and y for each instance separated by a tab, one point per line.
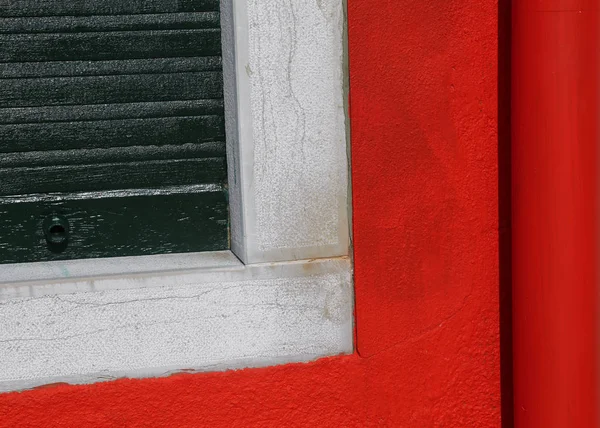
425	172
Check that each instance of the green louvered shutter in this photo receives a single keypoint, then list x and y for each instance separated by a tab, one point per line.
112	137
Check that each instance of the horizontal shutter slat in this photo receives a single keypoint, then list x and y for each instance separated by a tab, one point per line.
110	89
111	155
35	8
111	45
77	113
104	23
109	67
72	178
111	133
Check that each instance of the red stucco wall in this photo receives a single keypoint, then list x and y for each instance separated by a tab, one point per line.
425	181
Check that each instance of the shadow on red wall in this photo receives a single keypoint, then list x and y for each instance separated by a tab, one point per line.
504	210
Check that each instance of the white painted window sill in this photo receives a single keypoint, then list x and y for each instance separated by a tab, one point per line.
55	277
207	312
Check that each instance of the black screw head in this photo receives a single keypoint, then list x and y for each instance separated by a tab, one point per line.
56	231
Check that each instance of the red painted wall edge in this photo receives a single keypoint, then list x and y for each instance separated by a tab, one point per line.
424	112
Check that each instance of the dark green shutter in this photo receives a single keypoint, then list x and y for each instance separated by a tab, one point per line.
111	129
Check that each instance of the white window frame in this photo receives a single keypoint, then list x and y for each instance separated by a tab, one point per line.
284	291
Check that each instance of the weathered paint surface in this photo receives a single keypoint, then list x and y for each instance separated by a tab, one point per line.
156	325
424	122
294	183
286	130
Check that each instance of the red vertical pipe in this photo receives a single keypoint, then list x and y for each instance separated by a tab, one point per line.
555	141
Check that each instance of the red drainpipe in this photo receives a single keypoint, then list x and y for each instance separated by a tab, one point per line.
555	138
